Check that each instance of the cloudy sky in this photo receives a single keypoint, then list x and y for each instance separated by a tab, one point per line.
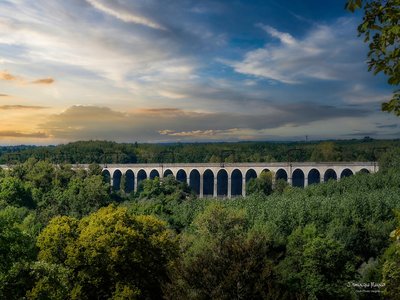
186	70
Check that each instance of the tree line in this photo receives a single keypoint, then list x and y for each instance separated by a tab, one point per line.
103	152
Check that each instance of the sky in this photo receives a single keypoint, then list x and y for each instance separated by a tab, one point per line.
186	71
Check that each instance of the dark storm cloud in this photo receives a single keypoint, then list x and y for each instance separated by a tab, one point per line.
20	107
7	76
17	134
80	122
44	81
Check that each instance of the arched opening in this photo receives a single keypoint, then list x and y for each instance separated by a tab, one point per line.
314	177
141	175
346	173
208	183
281	174
364	171
250	174
117	180
106	176
237	183
265	171
154	174
222	183
194	181
168	172
129	181
330	175
181	176
298	178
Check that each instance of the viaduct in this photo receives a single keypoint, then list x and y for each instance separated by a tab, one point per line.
229	179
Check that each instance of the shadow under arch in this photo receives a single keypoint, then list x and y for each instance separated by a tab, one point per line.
106	176
281	174
181	176
250	174
330	175
141	175
129	182
208	183
346	173
266	171
298	178
237	183
314	177
167	173
222	183
154	173
194	181
117	180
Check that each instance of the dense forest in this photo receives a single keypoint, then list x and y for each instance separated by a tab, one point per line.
101	152
64	234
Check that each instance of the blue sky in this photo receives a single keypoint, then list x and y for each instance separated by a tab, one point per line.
183	70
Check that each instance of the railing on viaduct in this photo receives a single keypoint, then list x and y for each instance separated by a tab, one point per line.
229	179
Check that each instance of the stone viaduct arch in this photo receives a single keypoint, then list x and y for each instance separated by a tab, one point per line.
229	179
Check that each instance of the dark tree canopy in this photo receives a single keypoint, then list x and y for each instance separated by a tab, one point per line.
381	29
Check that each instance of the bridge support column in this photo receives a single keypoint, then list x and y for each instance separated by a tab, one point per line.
135	185
215	187
305	181
244	187
112	183
188	180
201	195
229	187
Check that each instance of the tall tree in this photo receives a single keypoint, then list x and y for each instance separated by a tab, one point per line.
381	29
111	254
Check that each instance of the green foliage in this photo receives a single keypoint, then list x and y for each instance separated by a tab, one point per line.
102	152
40	174
280	186
17	247
291	244
13	191
390	160
261	184
51	281
94	169
54	190
110	253
391	265
315	266
63	175
380	28
87	195
164	198
326	151
167	189
223	259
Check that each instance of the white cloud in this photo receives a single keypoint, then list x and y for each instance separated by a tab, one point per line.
124	15
361	94
284	37
324	53
130	59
